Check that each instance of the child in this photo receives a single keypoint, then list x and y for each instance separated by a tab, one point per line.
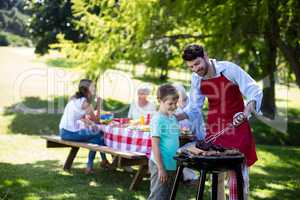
165	141
76	109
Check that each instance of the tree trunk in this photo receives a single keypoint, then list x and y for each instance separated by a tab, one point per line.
268	106
269	61
290	55
164	73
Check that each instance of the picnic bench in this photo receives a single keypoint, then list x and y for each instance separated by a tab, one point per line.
121	158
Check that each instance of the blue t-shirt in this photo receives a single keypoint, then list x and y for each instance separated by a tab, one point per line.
167	129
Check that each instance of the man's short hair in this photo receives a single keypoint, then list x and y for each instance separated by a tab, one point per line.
192	51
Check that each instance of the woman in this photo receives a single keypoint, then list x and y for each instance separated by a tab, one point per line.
142	107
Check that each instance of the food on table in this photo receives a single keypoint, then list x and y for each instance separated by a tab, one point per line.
145	128
121	120
134	122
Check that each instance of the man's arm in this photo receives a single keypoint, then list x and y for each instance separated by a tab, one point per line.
247	86
181	116
250	108
196	100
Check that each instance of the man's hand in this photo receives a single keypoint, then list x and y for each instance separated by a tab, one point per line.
250	108
181	116
162	174
238	118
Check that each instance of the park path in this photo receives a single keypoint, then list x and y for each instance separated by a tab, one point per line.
23	74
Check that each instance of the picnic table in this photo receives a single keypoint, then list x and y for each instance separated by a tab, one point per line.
124	138
128	146
132	138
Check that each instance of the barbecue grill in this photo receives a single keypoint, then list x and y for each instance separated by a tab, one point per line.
209	164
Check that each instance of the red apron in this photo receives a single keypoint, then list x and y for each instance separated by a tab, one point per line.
224	100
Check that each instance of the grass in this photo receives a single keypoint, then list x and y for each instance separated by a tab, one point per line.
40	176
61	63
18	120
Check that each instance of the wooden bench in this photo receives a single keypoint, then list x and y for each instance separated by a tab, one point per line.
121	159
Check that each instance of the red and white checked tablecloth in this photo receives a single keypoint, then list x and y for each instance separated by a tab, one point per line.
126	139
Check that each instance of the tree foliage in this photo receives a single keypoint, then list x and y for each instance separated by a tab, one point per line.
13	18
259	35
51	17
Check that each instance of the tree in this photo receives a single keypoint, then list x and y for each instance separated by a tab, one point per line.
13	18
154	32
51	17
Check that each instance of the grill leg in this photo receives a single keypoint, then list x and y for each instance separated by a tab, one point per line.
214	187
201	185
176	182
240	182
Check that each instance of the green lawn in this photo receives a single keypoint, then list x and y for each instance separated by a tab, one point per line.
29	171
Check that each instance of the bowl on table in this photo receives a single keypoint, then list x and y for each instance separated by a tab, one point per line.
106	118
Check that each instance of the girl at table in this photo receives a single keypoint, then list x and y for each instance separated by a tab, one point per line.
76	109
165	132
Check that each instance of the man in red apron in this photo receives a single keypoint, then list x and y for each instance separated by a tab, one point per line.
224	84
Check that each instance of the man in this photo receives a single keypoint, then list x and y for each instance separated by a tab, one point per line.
224	84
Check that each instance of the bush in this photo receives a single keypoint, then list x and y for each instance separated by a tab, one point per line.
9	39
3	40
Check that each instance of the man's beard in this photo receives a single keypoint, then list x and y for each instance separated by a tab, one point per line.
204	71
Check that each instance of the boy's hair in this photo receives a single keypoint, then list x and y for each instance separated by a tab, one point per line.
83	89
166	90
192	51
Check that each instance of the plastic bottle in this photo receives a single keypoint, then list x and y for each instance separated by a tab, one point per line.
148	119
142	120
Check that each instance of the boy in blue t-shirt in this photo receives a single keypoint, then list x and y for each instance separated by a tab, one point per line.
165	132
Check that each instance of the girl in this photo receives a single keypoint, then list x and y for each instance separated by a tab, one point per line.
165	131
76	109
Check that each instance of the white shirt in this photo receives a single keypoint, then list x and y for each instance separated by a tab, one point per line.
72	113
196	125
247	85
135	111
